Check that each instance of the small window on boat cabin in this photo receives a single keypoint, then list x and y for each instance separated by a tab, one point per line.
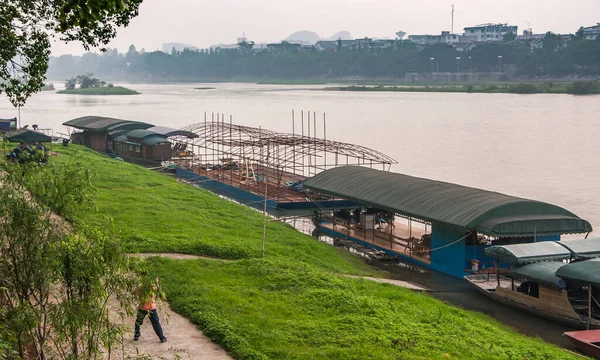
137	149
130	147
529	288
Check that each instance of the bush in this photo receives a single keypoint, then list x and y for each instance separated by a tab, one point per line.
523	88
583	87
111	85
470	88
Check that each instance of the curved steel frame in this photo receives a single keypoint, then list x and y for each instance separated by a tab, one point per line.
294	153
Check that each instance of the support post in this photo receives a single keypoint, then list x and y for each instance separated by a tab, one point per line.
589	304
497	272
325	145
262	254
294	145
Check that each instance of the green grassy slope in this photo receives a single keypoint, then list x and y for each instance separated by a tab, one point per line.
281	310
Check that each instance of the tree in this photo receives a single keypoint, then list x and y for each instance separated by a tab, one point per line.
56	276
580	34
551	42
70	83
132	50
509	36
88	80
27	28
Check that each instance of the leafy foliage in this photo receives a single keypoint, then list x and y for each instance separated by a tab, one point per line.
583	87
58	277
27	26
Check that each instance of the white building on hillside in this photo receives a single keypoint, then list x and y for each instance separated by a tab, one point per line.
488	32
592	32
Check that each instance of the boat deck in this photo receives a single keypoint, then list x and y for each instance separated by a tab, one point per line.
275	182
489	281
400	239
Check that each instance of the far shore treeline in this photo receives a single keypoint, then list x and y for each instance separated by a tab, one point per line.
556	58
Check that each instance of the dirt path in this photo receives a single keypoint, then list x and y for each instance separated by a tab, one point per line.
404	284
185	340
177	256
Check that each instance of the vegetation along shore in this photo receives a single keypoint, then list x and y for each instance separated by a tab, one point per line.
87	84
575	88
296	303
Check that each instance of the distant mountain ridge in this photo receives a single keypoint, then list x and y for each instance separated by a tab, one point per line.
310	37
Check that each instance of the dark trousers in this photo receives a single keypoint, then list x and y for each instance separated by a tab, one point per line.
153	315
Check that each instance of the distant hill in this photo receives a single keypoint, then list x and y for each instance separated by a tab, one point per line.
344	35
310	37
304	36
168	47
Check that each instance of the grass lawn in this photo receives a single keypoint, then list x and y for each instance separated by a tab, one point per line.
294	304
276	309
116	90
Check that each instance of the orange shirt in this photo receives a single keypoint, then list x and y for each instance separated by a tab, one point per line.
149	304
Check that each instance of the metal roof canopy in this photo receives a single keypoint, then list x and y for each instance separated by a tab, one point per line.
439	202
543	273
147	137
168	132
27	136
101	123
141	133
587	271
155	140
583	248
521	254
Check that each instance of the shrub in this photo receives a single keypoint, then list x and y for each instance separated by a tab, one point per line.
523	88
583	87
111	85
470	88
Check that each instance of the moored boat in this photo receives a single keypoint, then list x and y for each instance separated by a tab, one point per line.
587	341
542	283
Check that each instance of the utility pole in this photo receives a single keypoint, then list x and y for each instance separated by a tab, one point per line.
452	29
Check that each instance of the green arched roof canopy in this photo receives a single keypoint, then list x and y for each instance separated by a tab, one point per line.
587	271
468	208
102	123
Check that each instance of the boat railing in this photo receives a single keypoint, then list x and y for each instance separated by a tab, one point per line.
411	246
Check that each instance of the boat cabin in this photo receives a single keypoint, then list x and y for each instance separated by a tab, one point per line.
97	131
549	279
439	225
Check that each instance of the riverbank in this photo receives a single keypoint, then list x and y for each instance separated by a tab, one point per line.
296	303
574	88
115	90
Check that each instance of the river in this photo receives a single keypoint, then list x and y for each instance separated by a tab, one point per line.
541	146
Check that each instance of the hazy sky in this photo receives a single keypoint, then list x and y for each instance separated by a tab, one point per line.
207	22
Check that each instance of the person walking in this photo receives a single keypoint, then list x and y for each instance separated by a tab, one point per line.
147	308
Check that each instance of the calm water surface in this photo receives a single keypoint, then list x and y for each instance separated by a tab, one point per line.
543	147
